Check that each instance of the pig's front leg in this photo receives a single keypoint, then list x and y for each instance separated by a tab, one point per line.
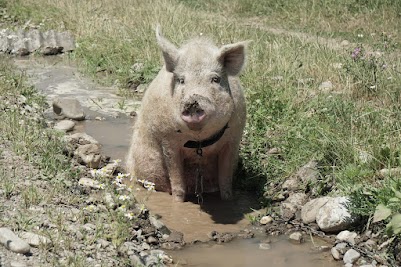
175	167
226	163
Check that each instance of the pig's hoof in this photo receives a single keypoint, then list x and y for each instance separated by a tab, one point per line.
226	195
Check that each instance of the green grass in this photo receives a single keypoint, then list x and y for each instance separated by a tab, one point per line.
352	130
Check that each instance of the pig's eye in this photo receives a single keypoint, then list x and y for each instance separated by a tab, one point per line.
216	80
180	80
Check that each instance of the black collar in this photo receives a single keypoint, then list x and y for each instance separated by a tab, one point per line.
207	142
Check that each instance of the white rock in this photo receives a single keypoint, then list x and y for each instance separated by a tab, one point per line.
264	246
297	199
69	107
351	256
33	239
88	182
345	43
335	253
347	236
89	155
334	215
326	86
266	220
296	237
341	247
13	242
64	125
311	208
17	264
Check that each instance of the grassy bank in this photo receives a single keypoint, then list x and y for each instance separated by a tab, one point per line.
351	126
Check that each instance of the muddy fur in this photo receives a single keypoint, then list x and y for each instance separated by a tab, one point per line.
200	80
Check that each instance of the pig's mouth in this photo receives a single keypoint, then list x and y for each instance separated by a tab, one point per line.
194	116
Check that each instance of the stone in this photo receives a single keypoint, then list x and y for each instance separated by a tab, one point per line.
389	172
17	264
89	155
103	243
341	247
326	86
68	107
13	242
347	236
288	211
264	246
159	225
23	42
135	260
145	246
141	88
81	139
305	174
34	240
311	208
370	244
108	198
274	151
297	199
266	220
152	240
308	172
64	125
88	182
351	256
292	184
336	254
296	238
334	215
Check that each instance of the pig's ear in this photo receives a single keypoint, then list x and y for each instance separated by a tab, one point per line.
232	57
170	52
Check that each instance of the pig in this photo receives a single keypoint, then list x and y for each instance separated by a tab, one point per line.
188	130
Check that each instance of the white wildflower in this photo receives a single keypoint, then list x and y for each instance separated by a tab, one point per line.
129	215
122	208
124	197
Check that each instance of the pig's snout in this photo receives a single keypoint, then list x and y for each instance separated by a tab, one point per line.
193	113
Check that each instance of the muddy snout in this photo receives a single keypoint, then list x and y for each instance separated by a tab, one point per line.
194	111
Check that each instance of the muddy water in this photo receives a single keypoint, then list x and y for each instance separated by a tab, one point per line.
247	253
111	126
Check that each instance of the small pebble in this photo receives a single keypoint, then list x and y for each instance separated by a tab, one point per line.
266	220
264	246
296	238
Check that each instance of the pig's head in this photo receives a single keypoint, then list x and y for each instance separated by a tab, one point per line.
202	98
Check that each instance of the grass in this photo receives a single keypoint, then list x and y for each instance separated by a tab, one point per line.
352	128
38	182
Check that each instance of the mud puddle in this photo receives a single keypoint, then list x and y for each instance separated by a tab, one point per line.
111	126
241	253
